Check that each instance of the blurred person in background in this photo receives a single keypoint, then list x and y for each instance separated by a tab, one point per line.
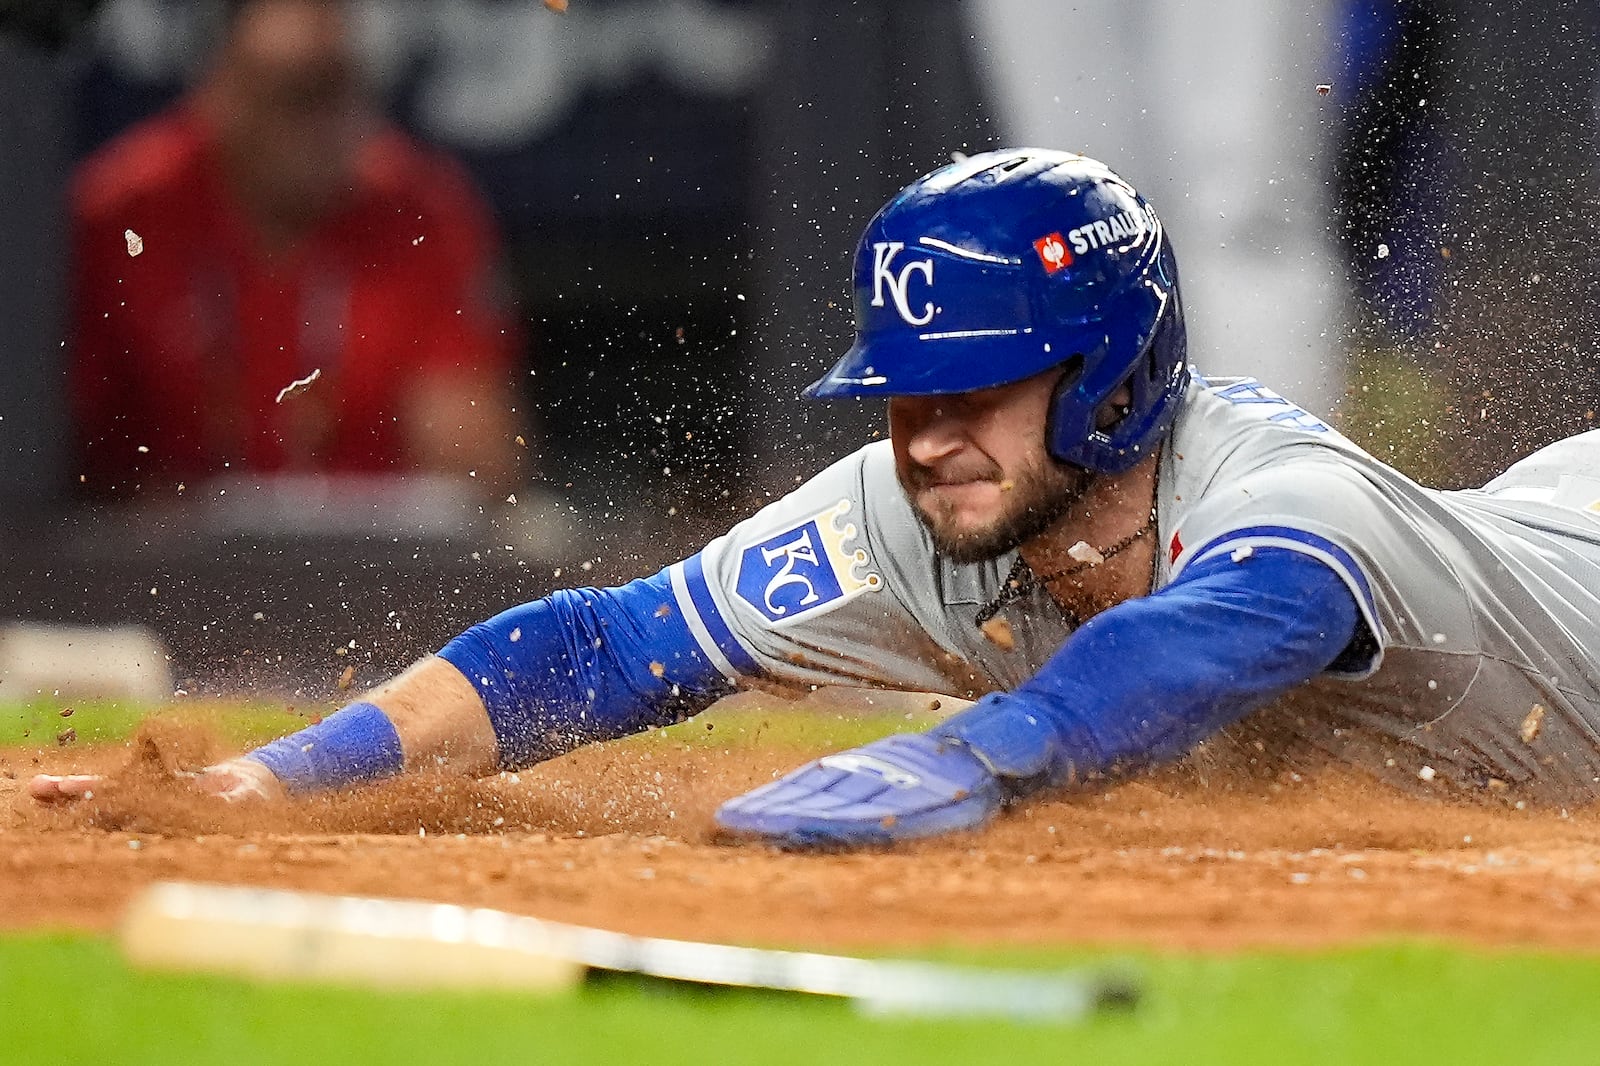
266	228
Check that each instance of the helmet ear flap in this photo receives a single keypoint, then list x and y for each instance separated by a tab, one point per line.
1151	374
1061	401
1079	432
1105	417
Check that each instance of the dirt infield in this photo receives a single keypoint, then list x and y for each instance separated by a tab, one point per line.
621	838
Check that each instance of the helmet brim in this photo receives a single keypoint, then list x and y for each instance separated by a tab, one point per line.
903	364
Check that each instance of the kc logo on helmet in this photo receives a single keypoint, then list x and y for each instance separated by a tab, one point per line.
885	276
1053	252
805	569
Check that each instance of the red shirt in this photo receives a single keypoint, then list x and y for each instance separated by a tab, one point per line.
183	349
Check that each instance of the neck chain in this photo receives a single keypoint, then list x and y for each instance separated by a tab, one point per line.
1023	580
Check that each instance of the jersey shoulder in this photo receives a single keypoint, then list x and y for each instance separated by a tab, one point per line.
806	554
1235	433
1234	420
401	173
158	160
839	583
1228	428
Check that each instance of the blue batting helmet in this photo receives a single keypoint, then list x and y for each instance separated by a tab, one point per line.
1002	265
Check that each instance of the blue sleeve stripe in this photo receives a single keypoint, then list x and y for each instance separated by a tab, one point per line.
1320	548
705	621
1295	540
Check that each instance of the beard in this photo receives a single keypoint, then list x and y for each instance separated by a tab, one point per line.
1041	492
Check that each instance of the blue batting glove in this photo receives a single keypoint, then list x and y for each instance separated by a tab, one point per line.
899	788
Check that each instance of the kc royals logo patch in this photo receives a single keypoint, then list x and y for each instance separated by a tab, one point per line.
806	568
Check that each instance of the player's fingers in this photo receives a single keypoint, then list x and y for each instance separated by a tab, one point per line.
53	788
241	791
238	781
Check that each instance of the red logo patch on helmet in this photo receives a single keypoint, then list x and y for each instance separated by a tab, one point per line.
1053	253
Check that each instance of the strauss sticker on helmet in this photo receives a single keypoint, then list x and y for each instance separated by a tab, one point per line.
1052	249
1122	226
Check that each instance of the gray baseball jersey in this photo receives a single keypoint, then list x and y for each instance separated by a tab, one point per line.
1479	664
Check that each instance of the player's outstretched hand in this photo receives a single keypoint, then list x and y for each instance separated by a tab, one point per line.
899	788
233	781
56	788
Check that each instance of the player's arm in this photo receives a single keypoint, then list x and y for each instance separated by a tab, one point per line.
578	666
427	715
540	679
1150	679
1143	682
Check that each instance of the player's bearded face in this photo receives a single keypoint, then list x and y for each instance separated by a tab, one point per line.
975	468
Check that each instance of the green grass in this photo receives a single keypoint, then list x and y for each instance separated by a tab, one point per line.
747	721
39	722
756	720
70	999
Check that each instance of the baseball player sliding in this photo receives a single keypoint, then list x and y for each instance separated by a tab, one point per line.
1128	558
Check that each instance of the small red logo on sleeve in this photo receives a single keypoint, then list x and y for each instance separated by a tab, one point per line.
1176	549
1053	252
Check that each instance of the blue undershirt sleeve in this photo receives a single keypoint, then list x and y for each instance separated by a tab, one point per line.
585	665
353	746
1150	678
